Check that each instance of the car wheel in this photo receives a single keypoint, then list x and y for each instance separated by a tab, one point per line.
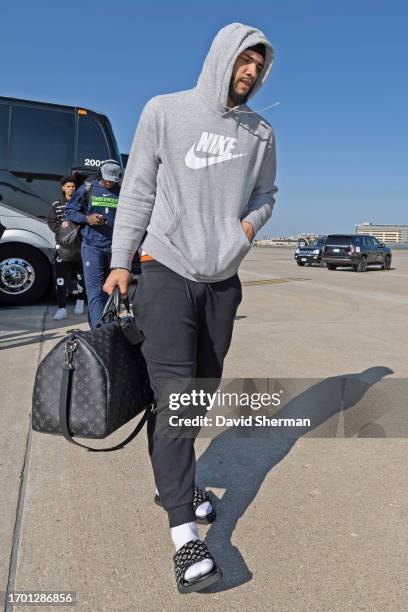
387	263
24	275
362	265
331	267
300	263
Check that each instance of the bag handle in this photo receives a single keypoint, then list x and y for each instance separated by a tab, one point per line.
64	409
112	306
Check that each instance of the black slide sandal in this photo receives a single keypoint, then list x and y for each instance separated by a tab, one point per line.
200	496
193	552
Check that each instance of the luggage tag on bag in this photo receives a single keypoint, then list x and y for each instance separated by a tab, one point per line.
130	330
127	324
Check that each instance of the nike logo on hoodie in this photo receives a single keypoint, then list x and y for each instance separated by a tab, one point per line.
217	149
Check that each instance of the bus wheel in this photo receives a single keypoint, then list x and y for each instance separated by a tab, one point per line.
24	275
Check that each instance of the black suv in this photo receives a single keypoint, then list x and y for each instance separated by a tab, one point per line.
356	251
311	253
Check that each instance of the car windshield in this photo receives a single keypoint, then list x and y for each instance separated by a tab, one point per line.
318	242
338	240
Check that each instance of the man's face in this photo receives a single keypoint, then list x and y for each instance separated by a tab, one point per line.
107	184
247	69
68	188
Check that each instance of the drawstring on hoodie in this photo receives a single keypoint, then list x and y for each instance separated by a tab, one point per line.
236	109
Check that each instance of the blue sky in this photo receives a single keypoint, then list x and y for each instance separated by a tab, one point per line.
340	77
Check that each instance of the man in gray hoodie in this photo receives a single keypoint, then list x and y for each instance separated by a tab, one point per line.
199	184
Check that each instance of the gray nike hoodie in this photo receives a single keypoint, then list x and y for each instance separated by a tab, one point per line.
196	169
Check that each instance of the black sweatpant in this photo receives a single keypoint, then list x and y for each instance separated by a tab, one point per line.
188	329
63	275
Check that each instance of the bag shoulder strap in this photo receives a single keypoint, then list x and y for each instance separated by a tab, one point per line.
64	409
87	193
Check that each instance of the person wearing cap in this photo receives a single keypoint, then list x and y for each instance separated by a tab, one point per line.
94	206
199	184
65	268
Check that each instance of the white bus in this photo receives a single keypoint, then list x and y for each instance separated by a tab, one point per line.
39	143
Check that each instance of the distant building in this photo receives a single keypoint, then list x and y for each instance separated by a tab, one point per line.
384	233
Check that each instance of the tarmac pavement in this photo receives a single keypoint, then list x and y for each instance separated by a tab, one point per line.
303	523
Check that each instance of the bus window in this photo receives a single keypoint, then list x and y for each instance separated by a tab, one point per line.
92	144
4	125
41	141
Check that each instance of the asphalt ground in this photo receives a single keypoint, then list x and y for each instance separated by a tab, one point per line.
304	523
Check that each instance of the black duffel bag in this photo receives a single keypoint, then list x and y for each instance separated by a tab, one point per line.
93	382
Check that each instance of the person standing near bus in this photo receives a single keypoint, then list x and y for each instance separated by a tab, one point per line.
64	269
94	207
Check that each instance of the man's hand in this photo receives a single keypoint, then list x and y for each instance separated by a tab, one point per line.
118	277
248	229
95	219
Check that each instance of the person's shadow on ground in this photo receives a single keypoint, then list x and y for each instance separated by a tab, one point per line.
238	461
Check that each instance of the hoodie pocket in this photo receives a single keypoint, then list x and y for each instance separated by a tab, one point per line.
208	245
175	222
245	236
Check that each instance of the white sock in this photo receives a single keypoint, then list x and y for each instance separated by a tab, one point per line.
180	536
201	510
204	509
184	533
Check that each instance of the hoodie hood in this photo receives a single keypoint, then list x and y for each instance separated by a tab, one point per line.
229	43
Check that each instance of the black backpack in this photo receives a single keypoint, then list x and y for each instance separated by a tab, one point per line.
69	237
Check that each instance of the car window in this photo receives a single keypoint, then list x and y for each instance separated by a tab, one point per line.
338	240
318	242
358	241
41	141
376	243
4	125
